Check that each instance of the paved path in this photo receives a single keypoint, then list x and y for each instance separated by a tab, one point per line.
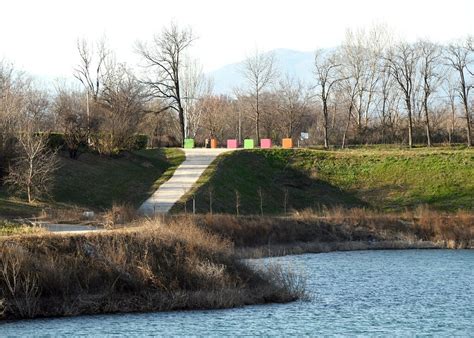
183	179
70	228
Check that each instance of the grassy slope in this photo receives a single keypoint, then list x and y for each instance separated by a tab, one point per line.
97	182
390	180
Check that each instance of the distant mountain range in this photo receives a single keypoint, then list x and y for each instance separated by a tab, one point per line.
295	63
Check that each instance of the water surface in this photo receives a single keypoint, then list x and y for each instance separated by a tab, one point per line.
365	292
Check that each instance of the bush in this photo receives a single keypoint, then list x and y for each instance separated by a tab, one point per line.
107	144
138	142
55	141
120	214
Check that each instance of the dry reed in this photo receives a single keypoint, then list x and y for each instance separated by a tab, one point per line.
152	266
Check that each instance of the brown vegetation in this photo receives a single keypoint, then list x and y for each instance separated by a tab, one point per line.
146	268
340	229
119	214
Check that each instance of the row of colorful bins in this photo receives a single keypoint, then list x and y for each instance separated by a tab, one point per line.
265	143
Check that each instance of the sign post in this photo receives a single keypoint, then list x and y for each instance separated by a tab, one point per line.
303	137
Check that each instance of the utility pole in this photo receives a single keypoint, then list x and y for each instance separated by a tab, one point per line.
240	127
88	119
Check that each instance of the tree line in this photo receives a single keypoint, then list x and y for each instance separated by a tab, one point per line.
371	89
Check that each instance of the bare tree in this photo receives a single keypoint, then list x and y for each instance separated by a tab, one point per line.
450	89
386	101
122	101
70	114
259	70
194	86
90	72
352	75
215	115
31	171
460	58
165	58
376	41
91	66
327	75
292	104
430	55
14	101
402	62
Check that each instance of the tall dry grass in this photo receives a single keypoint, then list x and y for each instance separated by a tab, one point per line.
152	266
342	226
119	214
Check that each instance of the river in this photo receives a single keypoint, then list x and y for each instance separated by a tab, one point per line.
353	293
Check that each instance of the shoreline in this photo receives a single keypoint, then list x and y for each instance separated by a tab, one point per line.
162	302
301	248
194	262
141	269
117	303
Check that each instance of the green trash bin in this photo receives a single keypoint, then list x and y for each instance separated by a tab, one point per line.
248	143
188	143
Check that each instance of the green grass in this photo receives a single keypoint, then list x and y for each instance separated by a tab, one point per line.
386	179
11	206
9	229
96	182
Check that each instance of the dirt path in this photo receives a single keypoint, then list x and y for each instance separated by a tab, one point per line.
183	179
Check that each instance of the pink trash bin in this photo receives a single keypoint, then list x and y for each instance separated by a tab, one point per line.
232	144
265	143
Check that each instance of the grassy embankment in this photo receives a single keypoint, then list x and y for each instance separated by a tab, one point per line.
193	261
145	268
385	180
96	182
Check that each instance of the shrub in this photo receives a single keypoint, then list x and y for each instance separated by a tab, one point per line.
55	141
138	142
119	214
108	144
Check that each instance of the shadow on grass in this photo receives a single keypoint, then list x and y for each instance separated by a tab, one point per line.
97	182
244	175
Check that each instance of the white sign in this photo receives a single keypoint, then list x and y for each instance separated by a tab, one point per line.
304	136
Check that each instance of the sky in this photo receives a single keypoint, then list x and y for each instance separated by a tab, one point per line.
40	36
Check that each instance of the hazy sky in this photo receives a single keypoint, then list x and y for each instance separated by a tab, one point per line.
40	36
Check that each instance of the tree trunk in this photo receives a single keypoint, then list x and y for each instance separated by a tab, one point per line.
427	122
347	127
464	94
384	122
181	124
29	181
453	113
468	125
325	113
410	123
28	192
257	128
257	117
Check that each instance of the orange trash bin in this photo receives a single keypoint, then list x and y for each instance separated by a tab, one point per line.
213	143
287	143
